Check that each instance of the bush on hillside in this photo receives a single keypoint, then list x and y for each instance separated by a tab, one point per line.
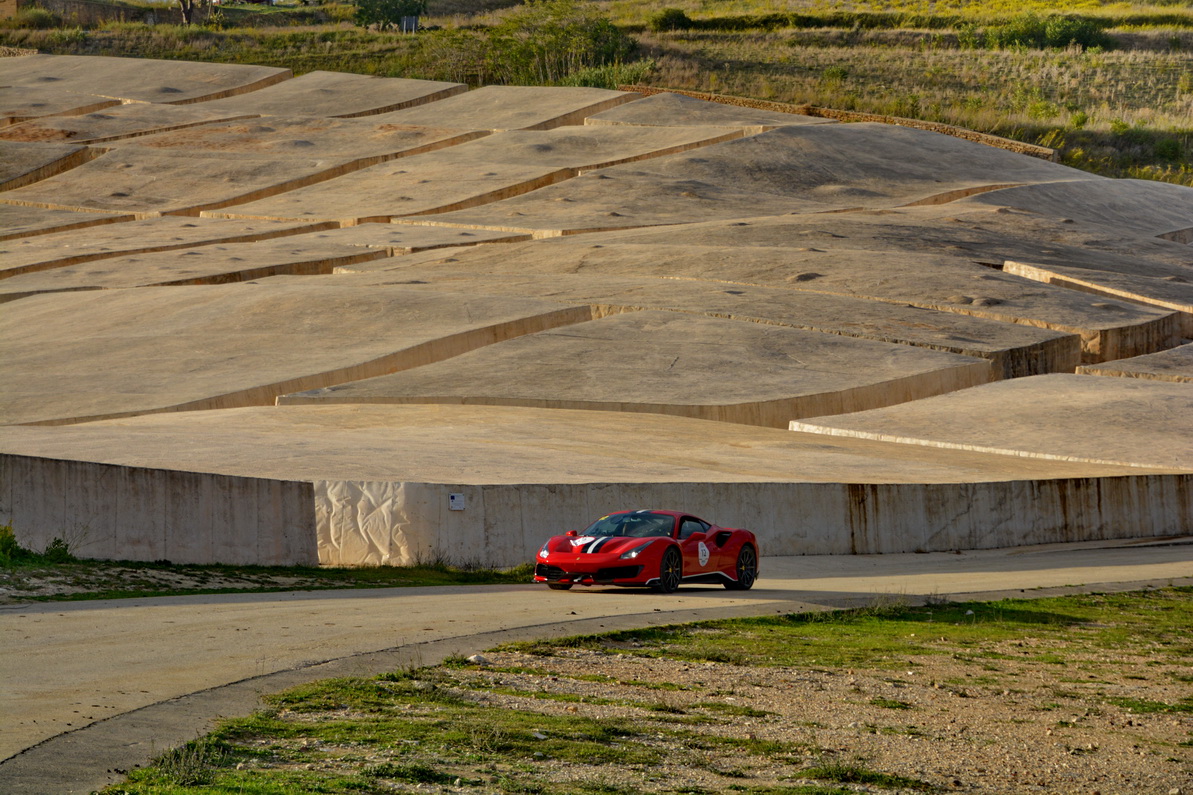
546	40
1037	32
669	19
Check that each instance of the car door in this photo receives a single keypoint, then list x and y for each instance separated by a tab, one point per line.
699	556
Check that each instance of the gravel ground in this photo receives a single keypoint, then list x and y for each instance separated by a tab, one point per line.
957	725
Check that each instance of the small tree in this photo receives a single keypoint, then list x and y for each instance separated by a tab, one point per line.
187	7
385	14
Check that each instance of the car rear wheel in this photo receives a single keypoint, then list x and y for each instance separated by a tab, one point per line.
746	569
670	571
559	586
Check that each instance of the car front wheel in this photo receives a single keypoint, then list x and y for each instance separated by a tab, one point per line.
746	570
559	586
670	571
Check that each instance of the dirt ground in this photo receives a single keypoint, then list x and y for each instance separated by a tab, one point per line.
76	579
1005	727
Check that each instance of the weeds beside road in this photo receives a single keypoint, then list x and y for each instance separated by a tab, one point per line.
55	575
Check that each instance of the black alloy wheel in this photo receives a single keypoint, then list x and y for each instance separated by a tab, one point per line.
747	570
670	571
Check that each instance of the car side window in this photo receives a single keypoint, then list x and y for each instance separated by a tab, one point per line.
690	526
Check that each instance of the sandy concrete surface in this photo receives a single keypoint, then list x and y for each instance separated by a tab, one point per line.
513	108
59	249
24	163
136	79
97	687
807	168
140	180
493	445
1172	291
121	121
18	221
23	103
336	94
1175	364
1110	328
293	334
479	171
1150	207
676	110
1013	349
672	363
1124	421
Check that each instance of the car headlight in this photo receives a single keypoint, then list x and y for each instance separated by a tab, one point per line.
543	551
630	554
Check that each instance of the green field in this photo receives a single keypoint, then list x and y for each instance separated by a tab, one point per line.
1110	85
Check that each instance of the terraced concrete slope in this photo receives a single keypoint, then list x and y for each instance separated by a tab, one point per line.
204	167
19	221
27	254
114	123
136	79
1012	349
512	108
789	169
669	363
22	103
233	251
23	163
336	94
1121	421
1109	328
167	349
1175	364
677	110
1150	208
449	281
475	173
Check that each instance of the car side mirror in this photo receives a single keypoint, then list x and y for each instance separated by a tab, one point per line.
698	536
571	532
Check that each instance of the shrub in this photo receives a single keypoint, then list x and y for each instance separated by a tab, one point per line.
610	76
546	40
1032	30
33	18
10	550
669	19
1168	149
385	14
57	551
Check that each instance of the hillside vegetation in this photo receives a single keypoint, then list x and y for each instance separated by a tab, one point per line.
1109	85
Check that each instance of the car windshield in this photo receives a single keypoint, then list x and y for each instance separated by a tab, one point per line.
640	524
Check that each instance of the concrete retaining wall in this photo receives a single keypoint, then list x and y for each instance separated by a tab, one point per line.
132	513
505	524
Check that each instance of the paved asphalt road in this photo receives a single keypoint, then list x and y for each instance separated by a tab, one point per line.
93	688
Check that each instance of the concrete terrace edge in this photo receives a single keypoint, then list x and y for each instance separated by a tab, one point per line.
119	512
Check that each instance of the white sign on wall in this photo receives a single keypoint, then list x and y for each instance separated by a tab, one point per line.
455	502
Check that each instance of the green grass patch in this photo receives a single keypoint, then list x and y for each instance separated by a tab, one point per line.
889	703
851	773
1145	707
886	636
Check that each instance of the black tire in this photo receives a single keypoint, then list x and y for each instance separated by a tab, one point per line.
670	571
559	586
746	568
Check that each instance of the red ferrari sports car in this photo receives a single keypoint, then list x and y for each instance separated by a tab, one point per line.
659	549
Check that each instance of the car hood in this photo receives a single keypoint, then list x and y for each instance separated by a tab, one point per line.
603	545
